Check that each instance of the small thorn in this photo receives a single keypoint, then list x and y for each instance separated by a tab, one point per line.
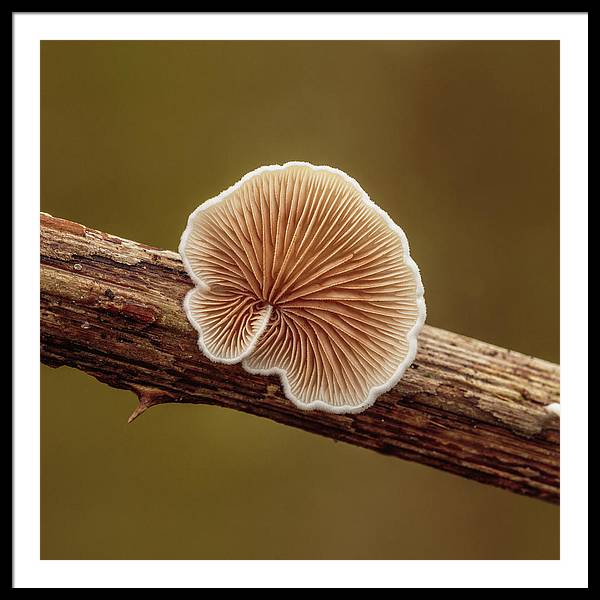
147	397
139	409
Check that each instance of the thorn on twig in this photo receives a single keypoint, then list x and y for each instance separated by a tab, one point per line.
139	409
147	397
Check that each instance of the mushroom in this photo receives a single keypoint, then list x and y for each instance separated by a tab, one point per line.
298	273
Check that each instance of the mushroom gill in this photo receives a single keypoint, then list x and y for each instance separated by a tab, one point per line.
298	273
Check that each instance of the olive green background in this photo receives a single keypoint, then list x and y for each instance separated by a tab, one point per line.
457	141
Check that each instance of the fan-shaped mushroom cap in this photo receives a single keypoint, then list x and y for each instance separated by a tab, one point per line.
300	274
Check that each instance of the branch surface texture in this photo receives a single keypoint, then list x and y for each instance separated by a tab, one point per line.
113	308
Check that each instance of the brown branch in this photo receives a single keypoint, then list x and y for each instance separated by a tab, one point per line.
112	308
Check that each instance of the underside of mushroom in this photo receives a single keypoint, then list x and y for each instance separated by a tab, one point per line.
299	274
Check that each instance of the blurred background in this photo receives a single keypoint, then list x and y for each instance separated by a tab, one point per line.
457	141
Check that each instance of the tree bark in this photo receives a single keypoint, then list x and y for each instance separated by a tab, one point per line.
113	308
